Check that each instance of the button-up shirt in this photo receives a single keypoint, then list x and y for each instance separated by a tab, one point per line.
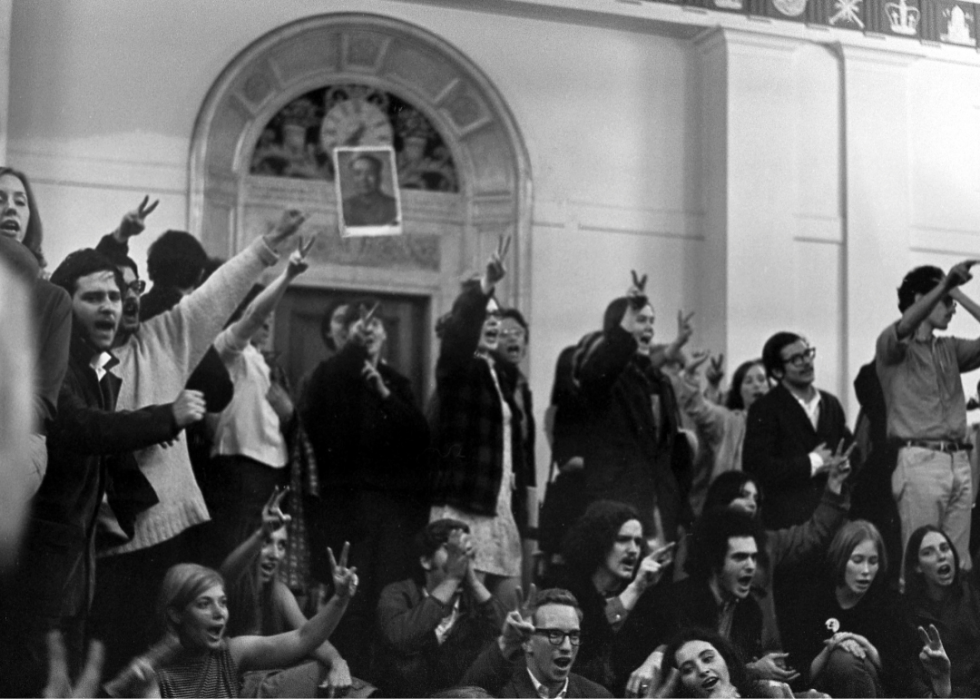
543	690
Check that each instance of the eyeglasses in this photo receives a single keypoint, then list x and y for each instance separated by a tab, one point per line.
138	287
494	314
512	333
799	358
556	636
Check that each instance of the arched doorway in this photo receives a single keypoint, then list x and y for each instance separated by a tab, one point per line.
338	63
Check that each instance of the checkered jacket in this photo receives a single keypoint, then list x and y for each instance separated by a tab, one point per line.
467	463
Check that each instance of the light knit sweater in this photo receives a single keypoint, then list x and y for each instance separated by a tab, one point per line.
154	366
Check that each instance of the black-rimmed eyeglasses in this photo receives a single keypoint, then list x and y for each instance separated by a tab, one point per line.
138	286
557	636
799	358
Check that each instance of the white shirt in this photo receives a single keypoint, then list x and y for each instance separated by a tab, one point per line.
812	409
248	426
98	364
543	691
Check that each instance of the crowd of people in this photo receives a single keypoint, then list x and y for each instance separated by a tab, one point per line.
195	527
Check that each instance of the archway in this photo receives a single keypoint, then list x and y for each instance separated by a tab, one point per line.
446	234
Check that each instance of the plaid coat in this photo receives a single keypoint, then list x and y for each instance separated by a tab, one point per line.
467	464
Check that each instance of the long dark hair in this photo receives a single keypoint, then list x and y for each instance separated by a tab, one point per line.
590	539
735	400
34	235
915	581
727	487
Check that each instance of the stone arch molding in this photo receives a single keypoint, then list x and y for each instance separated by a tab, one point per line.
450	233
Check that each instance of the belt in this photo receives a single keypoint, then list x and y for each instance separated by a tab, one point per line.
938	445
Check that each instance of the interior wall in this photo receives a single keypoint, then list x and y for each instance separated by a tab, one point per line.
784	186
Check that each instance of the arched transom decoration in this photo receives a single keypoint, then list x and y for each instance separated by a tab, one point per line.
262	138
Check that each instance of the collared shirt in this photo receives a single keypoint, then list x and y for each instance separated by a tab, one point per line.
99	364
812	409
543	691
448	621
726	613
920	379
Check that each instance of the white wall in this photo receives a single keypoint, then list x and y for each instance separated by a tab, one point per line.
784	183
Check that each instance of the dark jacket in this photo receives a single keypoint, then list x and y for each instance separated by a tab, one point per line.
778	440
632	455
411	662
509	678
89	455
360	439
958	620
657	617
467	466
879	618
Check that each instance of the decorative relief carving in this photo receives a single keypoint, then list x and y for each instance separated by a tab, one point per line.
448	125
297	140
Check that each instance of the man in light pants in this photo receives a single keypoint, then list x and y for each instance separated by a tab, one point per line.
920	377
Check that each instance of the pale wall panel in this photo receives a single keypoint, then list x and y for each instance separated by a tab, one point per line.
818	301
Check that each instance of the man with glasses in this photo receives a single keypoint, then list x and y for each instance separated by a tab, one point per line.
920	379
548	635
794	435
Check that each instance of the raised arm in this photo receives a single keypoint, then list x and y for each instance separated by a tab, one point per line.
237	562
285	649
958	275
267	300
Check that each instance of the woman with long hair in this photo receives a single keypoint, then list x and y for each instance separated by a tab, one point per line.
938	593
720	428
852	641
20	245
480	475
261	604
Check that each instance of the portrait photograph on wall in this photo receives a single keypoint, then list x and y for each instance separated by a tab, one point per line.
367	189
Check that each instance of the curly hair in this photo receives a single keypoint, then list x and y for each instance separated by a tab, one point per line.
709	540
726	649
589	540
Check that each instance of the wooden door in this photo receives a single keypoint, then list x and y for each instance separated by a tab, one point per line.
406	320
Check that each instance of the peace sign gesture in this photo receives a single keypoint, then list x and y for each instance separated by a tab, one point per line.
517	626
134	222
716	369
495	265
933	655
272	514
344	578
297	261
637	291
839	466
359	328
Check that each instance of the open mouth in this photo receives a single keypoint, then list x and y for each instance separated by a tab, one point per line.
945	571
10	227
563	663
709	684
744	583
269	568
215	632
491	335
105	325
